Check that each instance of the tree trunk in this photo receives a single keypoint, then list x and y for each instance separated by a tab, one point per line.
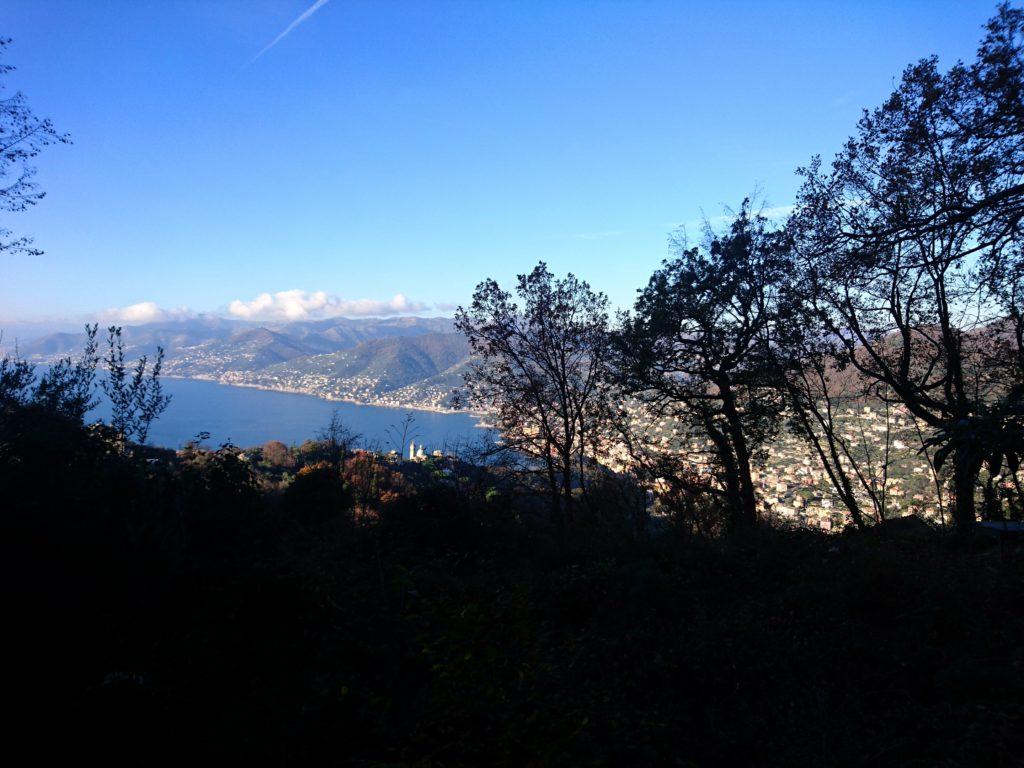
748	509
831	462
554	496
745	515
963	482
567	484
730	472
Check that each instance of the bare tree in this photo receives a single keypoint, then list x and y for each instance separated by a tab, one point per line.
338	440
540	371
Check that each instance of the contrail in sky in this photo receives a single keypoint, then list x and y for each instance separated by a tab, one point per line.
301	18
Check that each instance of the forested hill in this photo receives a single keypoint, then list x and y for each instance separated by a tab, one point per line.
394	362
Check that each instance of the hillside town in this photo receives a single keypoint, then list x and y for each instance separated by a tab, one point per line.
794	489
364	390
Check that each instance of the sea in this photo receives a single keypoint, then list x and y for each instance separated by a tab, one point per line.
248	417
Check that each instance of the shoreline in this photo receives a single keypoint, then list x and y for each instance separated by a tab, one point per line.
479	415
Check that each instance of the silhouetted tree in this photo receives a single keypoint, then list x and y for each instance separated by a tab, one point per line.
136	395
910	248
338	441
16	378
696	350
66	388
540	370
22	137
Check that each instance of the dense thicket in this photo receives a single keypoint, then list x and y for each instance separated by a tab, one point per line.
163	607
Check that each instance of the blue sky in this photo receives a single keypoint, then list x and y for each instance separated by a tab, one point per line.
384	149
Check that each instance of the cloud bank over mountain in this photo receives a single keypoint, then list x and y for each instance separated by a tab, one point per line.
297	304
282	306
143	312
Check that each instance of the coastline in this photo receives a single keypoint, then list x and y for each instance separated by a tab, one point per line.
479	415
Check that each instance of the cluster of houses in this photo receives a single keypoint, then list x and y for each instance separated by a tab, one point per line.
794	488
357	389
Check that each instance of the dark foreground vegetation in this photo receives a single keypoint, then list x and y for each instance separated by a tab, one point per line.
163	607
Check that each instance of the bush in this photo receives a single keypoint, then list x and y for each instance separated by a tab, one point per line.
317	494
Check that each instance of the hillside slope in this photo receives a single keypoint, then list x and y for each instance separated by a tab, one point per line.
392	362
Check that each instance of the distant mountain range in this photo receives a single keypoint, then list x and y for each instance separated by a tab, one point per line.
414	361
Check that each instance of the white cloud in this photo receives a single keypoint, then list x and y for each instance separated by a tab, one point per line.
296	22
297	304
143	312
